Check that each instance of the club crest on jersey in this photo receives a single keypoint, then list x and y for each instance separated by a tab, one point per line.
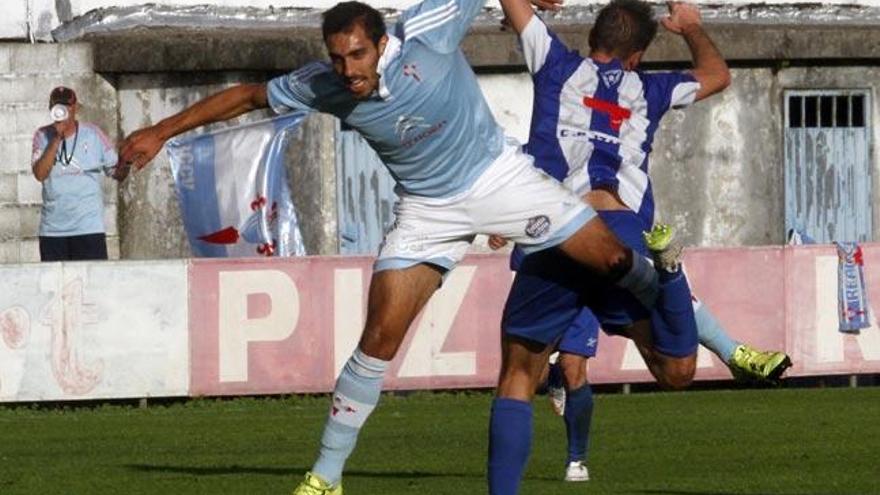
612	77
411	71
537	226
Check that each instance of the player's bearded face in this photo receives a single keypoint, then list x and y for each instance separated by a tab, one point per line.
355	58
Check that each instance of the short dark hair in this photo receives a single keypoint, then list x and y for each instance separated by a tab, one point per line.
344	16
623	27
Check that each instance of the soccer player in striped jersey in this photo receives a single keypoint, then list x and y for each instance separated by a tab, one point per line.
569	389
593	124
412	95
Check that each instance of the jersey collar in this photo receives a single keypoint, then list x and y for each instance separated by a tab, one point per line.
392	50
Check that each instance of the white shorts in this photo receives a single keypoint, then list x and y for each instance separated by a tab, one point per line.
511	198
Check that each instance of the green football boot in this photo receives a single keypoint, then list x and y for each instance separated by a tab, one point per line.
664	247
749	364
314	485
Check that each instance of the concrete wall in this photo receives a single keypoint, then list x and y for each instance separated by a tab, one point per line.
27	75
151	225
35	19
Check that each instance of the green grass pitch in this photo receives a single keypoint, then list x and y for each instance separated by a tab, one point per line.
785	441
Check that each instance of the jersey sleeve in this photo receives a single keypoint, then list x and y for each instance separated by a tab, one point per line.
108	151
440	24
295	91
541	47
665	90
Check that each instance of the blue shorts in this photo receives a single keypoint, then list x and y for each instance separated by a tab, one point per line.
550	289
582	336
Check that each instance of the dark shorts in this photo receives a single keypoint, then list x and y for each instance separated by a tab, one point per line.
550	290
582	336
74	247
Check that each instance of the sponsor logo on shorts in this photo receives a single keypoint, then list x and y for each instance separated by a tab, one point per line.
538	226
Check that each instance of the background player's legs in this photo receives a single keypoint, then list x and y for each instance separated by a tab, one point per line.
395	299
578	413
510	425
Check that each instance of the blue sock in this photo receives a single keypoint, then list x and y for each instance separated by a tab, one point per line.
354	398
578	413
673	325
712	334
641	280
510	440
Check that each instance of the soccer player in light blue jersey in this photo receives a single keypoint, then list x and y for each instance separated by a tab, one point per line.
412	95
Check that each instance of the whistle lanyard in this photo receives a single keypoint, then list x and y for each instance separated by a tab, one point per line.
63	156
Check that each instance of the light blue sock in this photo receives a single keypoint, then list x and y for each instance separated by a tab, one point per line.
354	398
712	334
642	280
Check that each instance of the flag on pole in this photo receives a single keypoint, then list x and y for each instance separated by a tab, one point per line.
233	191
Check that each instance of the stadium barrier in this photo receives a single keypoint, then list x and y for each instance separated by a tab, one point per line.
98	330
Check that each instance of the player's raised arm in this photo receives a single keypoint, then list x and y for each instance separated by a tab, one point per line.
520	12
141	146
710	69
441	24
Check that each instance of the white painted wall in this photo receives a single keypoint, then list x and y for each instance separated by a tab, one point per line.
21	17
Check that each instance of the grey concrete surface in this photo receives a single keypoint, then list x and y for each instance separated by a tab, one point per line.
717	168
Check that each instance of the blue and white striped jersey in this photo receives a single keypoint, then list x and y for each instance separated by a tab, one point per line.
593	123
428	121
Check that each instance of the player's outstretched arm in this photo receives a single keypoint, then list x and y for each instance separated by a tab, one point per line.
141	146
710	69
520	12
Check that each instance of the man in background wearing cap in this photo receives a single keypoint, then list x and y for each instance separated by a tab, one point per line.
70	158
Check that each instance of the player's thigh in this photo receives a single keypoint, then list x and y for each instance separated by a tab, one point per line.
426	230
522	363
395	299
579	343
519	202
545	297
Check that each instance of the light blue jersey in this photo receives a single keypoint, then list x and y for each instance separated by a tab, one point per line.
73	202
428	121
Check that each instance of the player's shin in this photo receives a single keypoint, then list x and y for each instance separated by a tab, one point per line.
712	334
354	398
673	326
640	279
510	440
578	414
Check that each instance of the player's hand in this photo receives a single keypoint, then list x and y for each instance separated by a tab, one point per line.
61	128
497	242
139	148
682	16
554	5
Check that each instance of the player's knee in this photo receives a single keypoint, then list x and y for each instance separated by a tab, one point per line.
574	372
376	343
680	376
619	261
